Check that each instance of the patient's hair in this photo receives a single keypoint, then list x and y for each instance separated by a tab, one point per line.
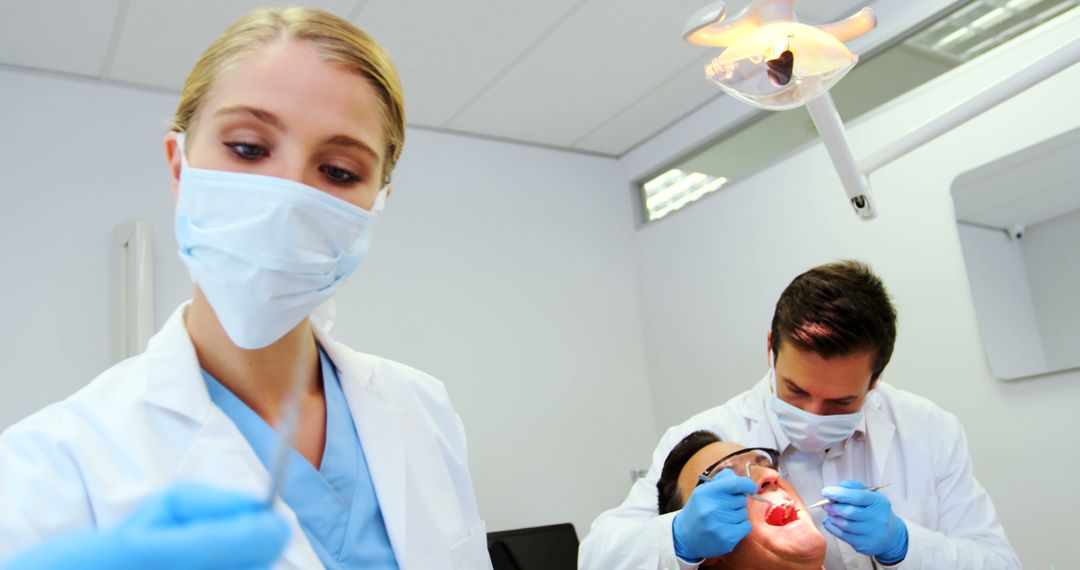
668	497
837	309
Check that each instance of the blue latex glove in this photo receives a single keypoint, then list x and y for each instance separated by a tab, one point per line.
865	520
187	527
714	520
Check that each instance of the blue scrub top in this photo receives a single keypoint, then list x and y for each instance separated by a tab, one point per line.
336	504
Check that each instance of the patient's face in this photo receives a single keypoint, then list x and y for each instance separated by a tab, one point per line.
797	541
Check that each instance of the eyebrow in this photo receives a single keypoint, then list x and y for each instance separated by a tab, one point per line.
272	120
841	400
264	116
794	386
347	141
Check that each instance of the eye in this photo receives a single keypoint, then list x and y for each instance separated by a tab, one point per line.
247	151
339	175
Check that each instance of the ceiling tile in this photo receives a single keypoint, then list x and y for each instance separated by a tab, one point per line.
161	41
446	52
668	102
596	75
70	36
597	63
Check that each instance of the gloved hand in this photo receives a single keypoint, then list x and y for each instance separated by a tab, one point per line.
865	520
714	519
187	527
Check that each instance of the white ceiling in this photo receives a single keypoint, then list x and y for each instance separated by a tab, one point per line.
1031	186
589	75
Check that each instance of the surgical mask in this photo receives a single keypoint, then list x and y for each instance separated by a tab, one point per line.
266	251
811	432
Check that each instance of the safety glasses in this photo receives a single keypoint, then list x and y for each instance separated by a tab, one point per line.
741	461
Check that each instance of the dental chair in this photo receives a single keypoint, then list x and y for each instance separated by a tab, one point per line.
552	547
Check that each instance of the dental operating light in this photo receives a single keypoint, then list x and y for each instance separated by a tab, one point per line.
774	62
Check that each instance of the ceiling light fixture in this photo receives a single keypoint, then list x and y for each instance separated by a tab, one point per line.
773	62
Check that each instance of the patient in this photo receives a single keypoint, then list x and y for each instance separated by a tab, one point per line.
781	538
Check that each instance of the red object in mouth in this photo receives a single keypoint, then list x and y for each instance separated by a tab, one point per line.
780	515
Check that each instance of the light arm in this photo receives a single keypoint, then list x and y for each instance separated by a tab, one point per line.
827	120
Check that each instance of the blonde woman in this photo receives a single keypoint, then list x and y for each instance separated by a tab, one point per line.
286	134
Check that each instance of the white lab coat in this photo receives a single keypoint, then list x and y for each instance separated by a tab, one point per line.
89	460
914	445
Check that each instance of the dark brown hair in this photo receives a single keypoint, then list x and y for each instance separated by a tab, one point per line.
668	498
837	309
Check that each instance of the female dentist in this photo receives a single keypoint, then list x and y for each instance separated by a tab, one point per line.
286	133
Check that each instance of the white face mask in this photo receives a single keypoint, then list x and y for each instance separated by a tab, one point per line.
266	251
811	432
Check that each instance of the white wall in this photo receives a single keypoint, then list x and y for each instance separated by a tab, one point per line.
1050	250
504	270
76	159
710	275
1008	325
501	269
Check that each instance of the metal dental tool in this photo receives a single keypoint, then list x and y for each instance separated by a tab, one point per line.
286	428
824	502
756	496
761	499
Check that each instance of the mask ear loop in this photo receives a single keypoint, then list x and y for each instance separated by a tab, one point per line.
180	139
772	374
380	199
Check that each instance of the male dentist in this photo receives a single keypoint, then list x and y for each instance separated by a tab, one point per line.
839	429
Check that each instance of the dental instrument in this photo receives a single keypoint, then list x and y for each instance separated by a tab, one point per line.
287	423
824	502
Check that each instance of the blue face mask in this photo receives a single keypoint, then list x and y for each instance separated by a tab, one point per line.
811	432
266	251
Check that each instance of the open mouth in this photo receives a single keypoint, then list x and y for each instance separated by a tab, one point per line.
782	514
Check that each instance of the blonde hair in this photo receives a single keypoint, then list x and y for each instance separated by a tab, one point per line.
335	39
